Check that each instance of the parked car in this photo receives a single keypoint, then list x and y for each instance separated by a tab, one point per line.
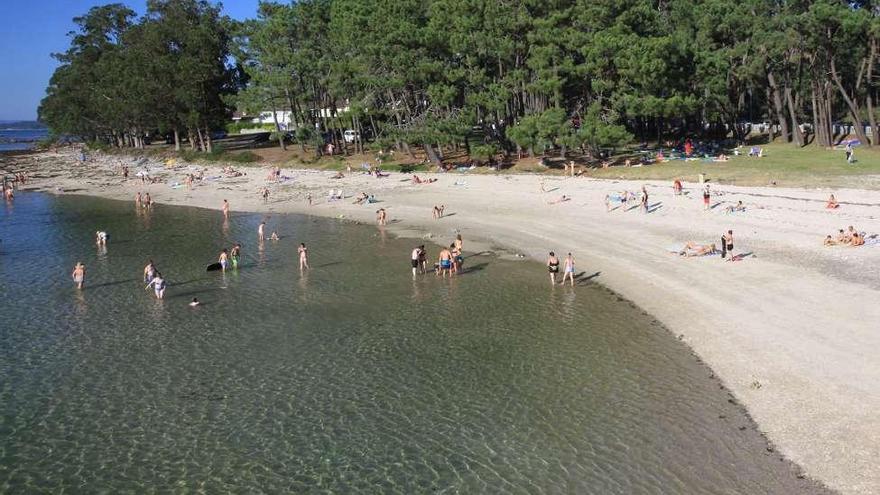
350	136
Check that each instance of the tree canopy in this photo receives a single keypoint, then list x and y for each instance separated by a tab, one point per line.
525	76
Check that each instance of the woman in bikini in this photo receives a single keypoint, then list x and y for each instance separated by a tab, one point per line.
553	267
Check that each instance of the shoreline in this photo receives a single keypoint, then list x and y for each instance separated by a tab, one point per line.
788	330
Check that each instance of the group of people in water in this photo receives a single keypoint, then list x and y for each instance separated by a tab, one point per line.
449	262
9	185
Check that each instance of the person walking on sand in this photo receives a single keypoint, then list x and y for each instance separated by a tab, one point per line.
261	232
706	198
223	259
644	200
158	284
676	188
381	216
225	209
445	262
849	152
553	267
309	198
303	256
435	213
727	244
568	271
79	274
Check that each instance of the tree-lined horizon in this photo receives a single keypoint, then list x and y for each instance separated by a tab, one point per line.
488	76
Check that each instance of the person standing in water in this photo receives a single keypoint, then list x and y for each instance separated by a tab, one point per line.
553	267
79	274
423	258
158	284
148	201
149	271
137	199
457	258
225	209
414	260
235	255
381	216
261	232
445	262
303	256
568	270
101	238
223	259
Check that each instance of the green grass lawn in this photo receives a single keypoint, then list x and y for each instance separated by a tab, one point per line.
783	164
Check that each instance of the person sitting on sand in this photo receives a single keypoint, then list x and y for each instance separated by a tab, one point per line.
560	199
361	199
830	241
676	188
737	208
850	231
338	175
841	237
857	240
416	179
832	203
722	158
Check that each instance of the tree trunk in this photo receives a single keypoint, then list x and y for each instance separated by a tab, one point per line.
869	98
432	155
209	144
778	107
795	128
201	139
853	107
278	130
176	140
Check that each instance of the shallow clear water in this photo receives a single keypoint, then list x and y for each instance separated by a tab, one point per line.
352	378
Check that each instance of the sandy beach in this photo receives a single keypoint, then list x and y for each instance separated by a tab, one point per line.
791	329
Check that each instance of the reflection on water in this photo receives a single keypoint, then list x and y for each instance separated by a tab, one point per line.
348	377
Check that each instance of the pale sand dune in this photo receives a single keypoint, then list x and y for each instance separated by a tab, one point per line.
793	330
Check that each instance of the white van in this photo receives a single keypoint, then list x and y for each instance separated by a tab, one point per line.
350	136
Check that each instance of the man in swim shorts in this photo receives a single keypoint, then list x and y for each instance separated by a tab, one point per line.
415	256
445	262
224	259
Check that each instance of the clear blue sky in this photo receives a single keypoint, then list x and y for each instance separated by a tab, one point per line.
30	30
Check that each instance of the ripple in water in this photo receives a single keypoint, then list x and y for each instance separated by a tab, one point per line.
352	378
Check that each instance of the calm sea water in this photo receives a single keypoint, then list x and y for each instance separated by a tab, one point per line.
352	378
12	138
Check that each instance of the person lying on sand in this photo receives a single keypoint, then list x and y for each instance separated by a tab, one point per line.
361	199
560	199
338	175
692	249
832	203
418	180
829	241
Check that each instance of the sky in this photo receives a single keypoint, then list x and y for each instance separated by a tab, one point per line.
31	30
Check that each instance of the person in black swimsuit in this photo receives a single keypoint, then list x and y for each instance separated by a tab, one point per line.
553	267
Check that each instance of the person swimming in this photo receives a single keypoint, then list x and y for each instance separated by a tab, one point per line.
195	302
101	238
